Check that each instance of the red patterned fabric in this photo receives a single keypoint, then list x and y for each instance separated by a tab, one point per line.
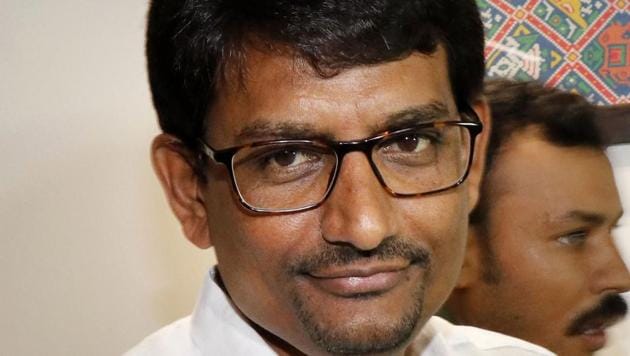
579	45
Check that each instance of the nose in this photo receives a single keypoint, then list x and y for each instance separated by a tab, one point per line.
358	210
612	276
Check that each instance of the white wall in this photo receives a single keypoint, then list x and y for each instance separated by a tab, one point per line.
91	259
620	158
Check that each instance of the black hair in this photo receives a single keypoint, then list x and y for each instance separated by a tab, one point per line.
190	44
614	123
564	119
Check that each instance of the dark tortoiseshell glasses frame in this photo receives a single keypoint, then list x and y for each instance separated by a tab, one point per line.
340	149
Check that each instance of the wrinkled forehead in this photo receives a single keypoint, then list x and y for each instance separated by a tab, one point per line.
278	89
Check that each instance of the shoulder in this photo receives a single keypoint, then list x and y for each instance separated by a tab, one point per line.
173	339
442	337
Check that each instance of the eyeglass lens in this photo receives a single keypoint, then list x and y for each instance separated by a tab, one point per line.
423	161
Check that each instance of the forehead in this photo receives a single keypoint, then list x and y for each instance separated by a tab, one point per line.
537	180
283	90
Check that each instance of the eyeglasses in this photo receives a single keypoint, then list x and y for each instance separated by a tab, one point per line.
281	176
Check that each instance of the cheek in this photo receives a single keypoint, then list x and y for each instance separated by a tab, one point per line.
539	284
521	248
254	247
257	240
440	223
539	263
251	251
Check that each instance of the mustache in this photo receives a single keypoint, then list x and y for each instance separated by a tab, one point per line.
344	254
610	308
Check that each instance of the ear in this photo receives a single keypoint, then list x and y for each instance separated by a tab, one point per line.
471	269
479	160
174	165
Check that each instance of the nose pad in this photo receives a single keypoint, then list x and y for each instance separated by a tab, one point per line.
358	211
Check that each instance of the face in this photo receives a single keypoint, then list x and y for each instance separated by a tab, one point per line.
553	260
363	271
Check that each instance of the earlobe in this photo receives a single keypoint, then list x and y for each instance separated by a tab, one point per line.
477	167
174	166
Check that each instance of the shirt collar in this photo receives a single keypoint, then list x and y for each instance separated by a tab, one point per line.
217	325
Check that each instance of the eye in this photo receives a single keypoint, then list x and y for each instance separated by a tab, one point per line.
278	157
412	142
287	157
574	238
275	163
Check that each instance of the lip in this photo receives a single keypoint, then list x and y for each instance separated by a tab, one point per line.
594	338
359	280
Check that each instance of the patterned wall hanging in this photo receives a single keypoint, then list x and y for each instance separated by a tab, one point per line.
579	45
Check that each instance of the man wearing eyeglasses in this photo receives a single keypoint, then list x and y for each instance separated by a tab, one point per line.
541	263
330	153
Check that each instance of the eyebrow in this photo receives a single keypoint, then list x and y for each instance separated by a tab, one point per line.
588	217
263	129
267	129
414	115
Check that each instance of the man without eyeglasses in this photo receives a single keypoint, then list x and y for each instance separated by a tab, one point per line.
330	152
541	262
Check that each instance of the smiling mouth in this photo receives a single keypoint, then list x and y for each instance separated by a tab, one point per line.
359	281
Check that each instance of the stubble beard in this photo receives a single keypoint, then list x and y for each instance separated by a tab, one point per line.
370	333
360	338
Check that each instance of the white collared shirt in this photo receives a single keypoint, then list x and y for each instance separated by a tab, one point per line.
217	328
